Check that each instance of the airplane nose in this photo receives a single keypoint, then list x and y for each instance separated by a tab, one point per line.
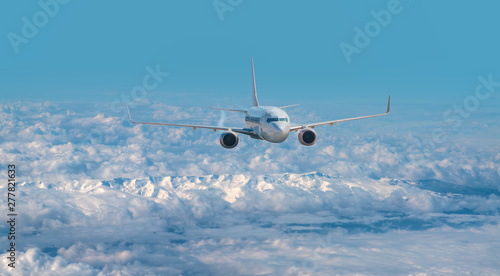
278	132
279	127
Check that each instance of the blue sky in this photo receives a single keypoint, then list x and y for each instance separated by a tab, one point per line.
95	51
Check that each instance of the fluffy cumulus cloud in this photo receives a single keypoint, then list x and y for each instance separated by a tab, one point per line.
35	262
100	196
57	142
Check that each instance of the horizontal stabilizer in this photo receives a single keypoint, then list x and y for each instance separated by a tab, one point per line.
287	106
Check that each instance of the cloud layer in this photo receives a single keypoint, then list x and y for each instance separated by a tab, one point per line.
99	196
275	224
57	142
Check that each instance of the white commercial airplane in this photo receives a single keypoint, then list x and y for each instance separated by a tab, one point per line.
268	123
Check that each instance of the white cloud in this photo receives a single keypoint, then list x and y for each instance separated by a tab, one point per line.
99	195
35	262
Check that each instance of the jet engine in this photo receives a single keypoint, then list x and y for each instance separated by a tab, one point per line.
229	140
307	136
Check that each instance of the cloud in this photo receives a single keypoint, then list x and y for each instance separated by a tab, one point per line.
35	262
93	145
241	224
99	195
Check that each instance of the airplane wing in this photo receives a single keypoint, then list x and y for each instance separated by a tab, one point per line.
295	128
214	128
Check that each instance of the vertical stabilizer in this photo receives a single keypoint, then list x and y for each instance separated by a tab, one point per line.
255	100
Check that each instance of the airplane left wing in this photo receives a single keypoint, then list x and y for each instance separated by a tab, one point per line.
214	128
295	128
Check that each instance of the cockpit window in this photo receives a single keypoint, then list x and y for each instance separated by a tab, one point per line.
277	119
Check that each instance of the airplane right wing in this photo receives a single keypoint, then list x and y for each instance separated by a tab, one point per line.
295	128
214	128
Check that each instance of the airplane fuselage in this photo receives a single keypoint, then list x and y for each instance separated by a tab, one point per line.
270	123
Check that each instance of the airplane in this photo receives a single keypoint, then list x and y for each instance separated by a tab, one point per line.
269	123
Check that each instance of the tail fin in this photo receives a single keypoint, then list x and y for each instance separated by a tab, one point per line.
255	100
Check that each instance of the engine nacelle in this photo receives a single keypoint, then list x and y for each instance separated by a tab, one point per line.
307	136
229	140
